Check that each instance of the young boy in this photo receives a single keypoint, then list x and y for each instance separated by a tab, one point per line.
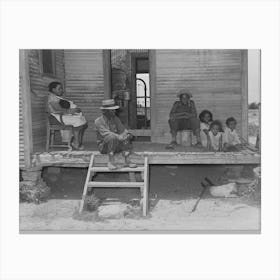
215	136
231	139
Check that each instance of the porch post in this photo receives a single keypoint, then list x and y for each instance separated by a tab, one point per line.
244	94
153	94
26	105
107	73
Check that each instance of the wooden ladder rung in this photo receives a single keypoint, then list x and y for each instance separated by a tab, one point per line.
115	184
124	169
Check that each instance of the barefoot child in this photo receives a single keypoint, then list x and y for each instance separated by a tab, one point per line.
231	139
215	136
206	118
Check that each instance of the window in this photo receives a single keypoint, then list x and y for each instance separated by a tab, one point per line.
47	62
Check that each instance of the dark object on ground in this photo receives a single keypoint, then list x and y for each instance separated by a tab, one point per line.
202	192
92	203
209	182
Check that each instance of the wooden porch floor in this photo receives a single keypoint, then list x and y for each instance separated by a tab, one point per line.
156	153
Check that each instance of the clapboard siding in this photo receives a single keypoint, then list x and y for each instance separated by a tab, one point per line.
84	82
213	76
21	125
39	91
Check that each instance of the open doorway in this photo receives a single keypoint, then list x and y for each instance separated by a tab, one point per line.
143	113
140	106
130	79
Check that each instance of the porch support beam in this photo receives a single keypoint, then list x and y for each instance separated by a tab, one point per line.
244	93
26	104
107	73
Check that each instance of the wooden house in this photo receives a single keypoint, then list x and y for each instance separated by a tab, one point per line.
218	80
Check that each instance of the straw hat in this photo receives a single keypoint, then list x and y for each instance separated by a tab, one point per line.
184	91
109	104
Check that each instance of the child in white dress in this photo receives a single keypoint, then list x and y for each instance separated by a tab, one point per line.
231	141
206	118
215	136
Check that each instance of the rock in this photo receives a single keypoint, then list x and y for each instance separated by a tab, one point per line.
224	190
257	172
115	211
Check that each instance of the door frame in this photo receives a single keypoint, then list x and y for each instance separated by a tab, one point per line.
133	99
153	92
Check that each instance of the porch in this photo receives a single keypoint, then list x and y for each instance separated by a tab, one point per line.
156	153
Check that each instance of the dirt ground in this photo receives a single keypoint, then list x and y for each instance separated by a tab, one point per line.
173	193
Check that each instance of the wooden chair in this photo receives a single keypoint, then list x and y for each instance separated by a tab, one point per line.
54	125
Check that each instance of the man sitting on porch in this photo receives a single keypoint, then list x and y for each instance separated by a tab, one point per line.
183	116
112	137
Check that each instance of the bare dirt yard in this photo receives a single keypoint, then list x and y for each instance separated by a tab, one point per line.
173	193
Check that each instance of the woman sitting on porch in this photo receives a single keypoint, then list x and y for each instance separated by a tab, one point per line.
70	113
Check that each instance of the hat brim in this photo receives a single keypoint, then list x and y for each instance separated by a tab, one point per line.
110	108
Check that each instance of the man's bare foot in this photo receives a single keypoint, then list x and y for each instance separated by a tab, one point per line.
81	147
198	144
171	145
130	165
111	166
75	146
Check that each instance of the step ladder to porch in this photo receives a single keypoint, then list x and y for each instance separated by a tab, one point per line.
143	185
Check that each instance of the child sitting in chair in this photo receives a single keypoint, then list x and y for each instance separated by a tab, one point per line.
215	136
205	118
231	139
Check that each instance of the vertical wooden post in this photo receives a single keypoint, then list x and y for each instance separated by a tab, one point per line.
107	73
260	110
26	104
153	93
244	94
146	187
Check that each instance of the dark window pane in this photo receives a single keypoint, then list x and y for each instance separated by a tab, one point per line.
47	62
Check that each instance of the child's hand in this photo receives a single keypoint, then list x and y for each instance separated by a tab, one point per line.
206	131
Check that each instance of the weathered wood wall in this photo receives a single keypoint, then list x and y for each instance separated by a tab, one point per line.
213	76
21	124
39	91
84	84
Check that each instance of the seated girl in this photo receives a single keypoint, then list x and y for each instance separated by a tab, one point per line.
215	136
231	139
206	118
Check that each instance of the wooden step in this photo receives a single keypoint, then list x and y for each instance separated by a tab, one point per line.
115	184
124	169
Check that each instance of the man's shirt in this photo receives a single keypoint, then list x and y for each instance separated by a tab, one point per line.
107	127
